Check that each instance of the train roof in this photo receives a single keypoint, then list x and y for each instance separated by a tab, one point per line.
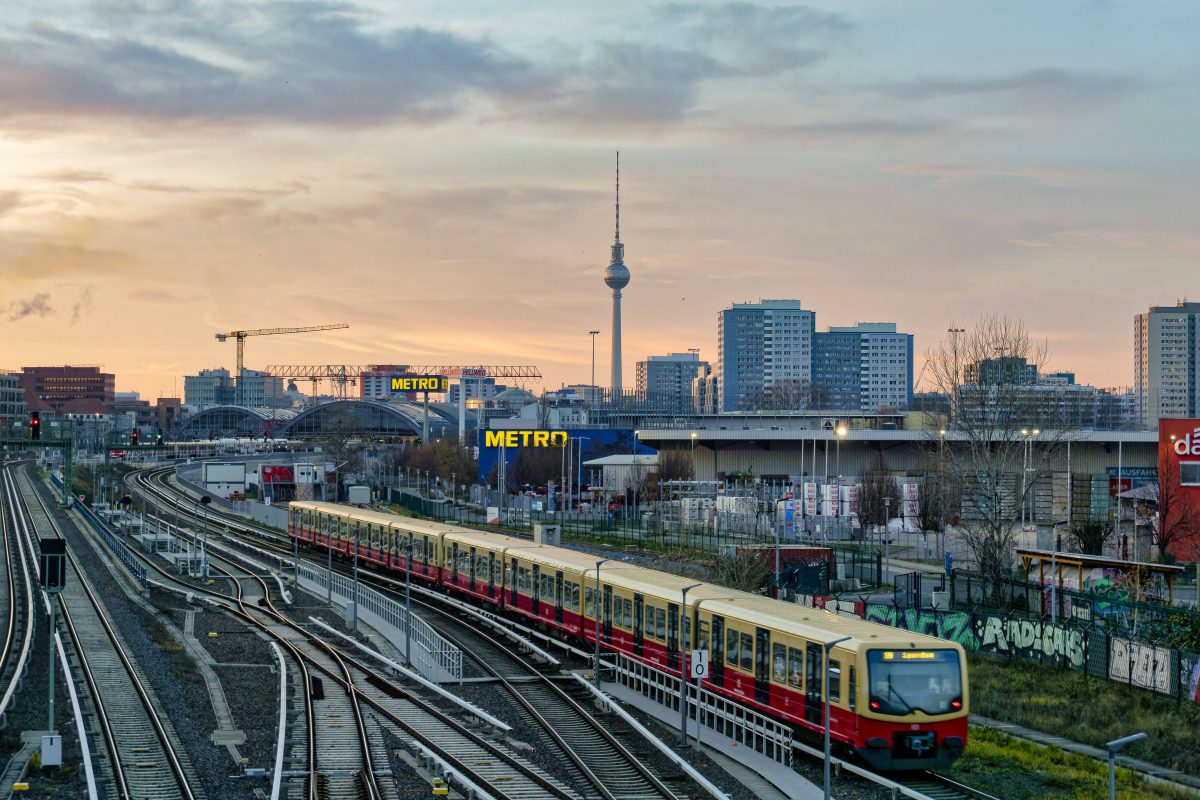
376	517
557	557
822	626
492	541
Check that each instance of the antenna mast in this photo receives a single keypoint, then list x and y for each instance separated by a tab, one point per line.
617	235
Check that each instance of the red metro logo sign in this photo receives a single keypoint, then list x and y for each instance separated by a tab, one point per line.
1179	438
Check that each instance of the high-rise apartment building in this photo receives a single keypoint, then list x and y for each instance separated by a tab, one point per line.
867	367
666	381
57	386
1166	348
764	351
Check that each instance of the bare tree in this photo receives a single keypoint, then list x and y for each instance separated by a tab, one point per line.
1178	519
1089	536
675	465
996	447
793	394
744	570
878	497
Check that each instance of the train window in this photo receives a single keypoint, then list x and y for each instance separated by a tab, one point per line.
589	607
575	596
627	615
853	688
747	652
702	639
731	647
648	626
779	663
834	680
660	624
795	667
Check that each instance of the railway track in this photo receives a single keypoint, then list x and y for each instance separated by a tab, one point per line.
18	592
501	772
144	760
541	700
607	768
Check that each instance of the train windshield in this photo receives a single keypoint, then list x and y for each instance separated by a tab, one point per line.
904	681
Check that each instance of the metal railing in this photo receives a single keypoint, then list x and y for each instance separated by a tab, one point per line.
732	720
432	656
118	548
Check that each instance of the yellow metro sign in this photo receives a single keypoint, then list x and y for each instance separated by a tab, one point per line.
524	438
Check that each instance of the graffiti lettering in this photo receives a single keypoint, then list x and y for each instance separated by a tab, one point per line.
1030	640
1141	665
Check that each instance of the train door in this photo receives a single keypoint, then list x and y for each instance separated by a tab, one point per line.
537	589
672	636
471	570
812	683
639	646
491	575
454	564
762	666
558	596
608	611
716	663
515	581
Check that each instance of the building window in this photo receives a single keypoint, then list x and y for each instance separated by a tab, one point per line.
1189	473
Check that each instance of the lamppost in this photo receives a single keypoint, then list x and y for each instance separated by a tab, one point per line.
1114	746
204	501
579	466
887	533
842	432
596	608
354	616
683	670
408	601
829	647
1026	467
593	334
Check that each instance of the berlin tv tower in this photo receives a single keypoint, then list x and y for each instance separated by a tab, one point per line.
616	277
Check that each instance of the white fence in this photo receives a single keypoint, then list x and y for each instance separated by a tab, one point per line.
432	656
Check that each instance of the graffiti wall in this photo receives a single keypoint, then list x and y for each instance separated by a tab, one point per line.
1031	640
1141	665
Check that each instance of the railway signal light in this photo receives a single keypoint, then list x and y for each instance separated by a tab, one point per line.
35	425
158	438
133	438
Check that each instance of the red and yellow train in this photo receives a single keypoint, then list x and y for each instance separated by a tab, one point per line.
898	699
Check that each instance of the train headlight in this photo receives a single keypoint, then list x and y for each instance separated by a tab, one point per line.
956	704
875	704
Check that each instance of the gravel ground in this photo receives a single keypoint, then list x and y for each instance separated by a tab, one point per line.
180	690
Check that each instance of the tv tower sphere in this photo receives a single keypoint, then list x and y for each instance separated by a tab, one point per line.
616	275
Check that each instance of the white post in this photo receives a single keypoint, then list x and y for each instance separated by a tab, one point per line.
825	682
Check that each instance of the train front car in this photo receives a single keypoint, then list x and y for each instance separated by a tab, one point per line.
915	715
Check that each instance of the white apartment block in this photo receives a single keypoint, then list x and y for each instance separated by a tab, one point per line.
1166	344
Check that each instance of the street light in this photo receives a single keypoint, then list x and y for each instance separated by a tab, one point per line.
828	647
1114	746
593	334
204	501
683	671
842	432
596	608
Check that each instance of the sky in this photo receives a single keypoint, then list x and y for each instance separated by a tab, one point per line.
440	176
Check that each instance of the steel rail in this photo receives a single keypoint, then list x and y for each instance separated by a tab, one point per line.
175	766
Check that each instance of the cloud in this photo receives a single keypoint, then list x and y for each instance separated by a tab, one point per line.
1047	86
849	128
9	201
317	63
757	40
642	81
1057	177
81	305
38	305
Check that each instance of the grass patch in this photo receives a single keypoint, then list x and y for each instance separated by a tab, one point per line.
1087	709
1017	770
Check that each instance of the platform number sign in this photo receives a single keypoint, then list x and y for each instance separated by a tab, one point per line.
700	664
54	565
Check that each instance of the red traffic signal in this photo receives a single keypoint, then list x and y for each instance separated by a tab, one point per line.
35	425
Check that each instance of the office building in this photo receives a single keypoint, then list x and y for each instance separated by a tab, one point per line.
57	386
14	414
1166	378
210	387
866	367
764	354
667	380
478	391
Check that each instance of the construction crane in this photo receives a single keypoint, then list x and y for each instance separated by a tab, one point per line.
241	343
